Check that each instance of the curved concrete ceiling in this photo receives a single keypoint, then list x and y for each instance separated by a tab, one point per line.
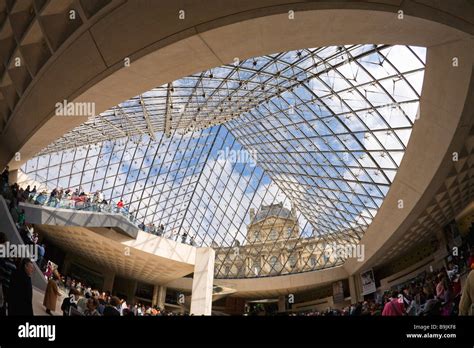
148	258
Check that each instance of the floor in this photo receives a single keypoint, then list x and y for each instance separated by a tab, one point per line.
38	308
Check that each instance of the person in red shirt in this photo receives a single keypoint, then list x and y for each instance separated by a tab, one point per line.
394	307
120	206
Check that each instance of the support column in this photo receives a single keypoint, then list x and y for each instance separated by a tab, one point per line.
353	289
154	299
132	291
360	289
159	296
281	304
201	300
162	297
66	264
109	279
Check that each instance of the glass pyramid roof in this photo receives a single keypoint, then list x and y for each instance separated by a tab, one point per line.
314	136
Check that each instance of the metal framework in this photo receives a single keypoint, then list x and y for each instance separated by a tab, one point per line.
320	130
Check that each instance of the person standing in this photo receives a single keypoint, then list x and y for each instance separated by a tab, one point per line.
111	309
21	217
20	295
41	252
440	286
466	305
51	294
70	301
91	310
82	303
123	306
120	206
470	260
27	192
5	175
394	307
161	230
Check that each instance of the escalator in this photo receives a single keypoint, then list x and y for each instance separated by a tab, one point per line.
8	226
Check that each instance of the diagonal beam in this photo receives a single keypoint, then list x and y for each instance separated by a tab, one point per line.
167	128
129	120
103	119
146	116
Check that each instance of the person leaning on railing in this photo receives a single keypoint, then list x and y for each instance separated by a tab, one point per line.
120	206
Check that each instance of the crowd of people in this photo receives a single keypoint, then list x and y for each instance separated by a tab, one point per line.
80	200
15	274
83	300
151	228
76	298
72	199
16	291
61	198
14	195
436	293
428	294
160	231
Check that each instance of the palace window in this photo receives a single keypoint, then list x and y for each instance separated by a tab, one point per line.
292	260
256	267
273	235
275	264
256	235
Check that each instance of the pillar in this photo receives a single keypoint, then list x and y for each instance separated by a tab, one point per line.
281	304
132	291
66	264
154	299
109	279
162	297
354	289
159	296
201	301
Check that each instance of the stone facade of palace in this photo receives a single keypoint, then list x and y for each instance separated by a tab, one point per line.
273	247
